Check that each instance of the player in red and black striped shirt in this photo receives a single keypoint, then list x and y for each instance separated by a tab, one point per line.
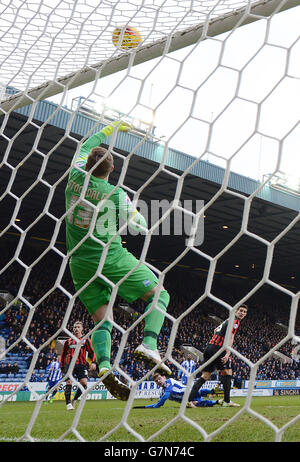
222	362
80	371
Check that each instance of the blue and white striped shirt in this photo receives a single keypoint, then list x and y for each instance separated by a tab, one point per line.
54	371
173	390
189	366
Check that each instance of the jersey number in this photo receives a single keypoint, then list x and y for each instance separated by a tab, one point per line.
81	215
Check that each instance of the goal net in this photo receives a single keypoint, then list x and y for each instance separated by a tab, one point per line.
211	92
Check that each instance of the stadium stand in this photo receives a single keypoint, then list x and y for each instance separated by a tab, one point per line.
258	333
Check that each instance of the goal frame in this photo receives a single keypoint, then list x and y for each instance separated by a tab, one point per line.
175	41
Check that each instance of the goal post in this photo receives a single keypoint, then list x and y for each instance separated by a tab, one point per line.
212	111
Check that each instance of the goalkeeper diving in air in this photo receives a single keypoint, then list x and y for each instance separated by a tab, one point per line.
91	229
174	391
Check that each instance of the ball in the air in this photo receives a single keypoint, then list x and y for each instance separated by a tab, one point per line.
126	37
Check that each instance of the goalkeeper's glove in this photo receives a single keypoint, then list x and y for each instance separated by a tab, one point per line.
118	125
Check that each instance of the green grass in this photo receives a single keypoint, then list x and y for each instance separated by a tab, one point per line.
100	417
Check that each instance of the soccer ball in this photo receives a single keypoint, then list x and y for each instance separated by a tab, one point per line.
126	37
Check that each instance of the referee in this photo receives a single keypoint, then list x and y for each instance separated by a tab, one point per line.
80	371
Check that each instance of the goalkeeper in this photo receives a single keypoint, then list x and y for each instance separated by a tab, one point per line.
174	391
91	229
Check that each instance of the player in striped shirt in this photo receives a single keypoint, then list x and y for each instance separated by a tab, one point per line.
189	365
222	362
54	375
80	371
174	391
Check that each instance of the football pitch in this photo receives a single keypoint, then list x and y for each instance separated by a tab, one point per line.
100	420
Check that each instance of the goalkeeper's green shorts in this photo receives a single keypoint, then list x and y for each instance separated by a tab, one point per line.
116	266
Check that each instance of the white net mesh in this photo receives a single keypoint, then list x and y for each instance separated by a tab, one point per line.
55	38
225	94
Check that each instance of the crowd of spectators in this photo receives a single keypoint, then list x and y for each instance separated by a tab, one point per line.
258	334
8	368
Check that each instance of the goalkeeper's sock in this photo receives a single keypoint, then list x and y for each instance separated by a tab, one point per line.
226	382
101	342
68	390
155	320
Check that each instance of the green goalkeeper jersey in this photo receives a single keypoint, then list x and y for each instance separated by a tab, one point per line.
82	214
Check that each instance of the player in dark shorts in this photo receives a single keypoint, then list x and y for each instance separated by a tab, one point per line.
80	370
222	362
